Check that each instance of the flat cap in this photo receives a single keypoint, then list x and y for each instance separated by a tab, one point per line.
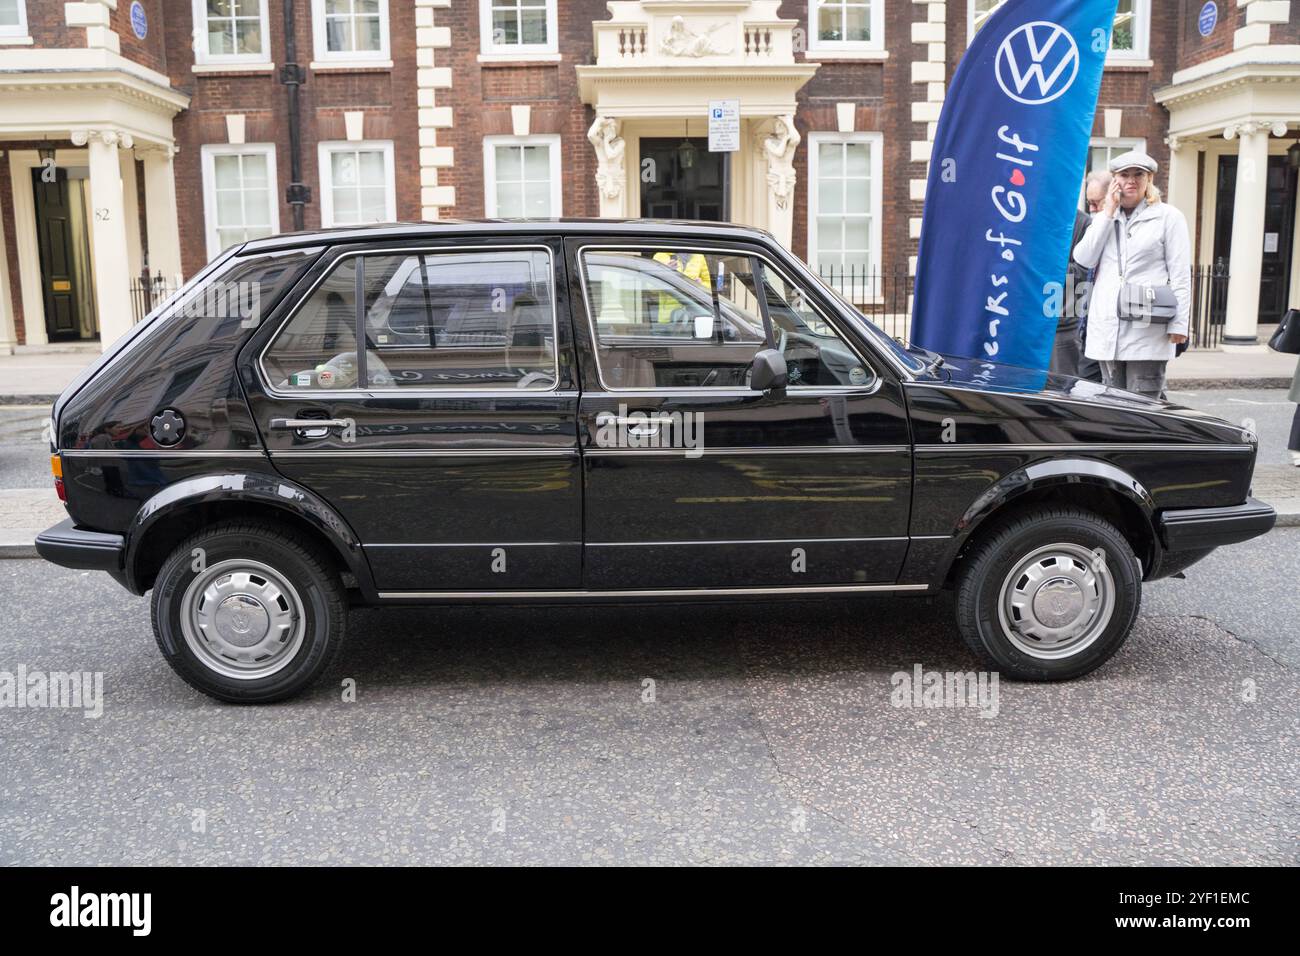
1133	159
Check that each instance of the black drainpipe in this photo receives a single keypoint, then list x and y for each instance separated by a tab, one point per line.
293	76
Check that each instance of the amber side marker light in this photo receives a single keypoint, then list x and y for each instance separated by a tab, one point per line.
56	466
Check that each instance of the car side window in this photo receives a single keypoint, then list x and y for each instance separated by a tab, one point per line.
816	355
481	320
318	348
673	318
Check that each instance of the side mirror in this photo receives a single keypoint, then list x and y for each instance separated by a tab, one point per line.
768	371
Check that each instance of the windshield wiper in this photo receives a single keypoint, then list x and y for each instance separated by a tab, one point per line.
934	360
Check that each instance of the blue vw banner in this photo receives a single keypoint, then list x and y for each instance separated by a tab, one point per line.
1004	181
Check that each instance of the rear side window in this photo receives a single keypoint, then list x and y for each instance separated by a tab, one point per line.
428	320
318	348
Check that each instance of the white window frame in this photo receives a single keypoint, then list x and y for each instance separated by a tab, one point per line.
490	143
209	153
876	43
1123	143
324	151
325	57
877	198
489	51
18	29
1141	36
1141	33
202	56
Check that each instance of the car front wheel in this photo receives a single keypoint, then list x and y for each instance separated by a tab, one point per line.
248	613
1050	595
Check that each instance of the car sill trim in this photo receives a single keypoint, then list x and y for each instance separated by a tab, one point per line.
650	593
1080	447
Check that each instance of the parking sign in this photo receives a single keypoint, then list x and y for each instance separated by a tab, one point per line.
724	126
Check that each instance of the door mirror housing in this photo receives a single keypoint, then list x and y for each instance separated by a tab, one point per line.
768	371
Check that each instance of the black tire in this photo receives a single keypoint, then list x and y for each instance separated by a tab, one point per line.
984	571
313	582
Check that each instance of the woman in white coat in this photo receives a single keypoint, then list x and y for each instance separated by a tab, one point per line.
1152	248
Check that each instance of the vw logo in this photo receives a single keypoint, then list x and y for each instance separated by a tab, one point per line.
1040	53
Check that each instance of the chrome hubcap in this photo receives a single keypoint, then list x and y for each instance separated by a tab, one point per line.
242	619
1057	600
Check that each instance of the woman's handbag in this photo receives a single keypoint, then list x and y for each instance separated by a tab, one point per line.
1150	304
1287	337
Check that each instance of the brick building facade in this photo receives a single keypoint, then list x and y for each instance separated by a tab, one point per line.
419	109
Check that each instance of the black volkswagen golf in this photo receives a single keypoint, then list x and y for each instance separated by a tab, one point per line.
535	412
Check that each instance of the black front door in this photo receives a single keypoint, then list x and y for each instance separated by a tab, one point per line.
1279	237
57	232
1279	231
681	179
695	481
446	401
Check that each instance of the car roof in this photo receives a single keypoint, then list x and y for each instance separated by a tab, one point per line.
443	228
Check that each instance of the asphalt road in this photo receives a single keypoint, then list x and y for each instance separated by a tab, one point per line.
523	735
1266	411
527	736
24	456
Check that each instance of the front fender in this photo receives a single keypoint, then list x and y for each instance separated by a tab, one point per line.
253	488
1058	472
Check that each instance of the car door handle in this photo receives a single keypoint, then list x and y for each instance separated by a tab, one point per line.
311	427
643	425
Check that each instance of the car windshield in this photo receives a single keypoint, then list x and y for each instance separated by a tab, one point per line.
914	357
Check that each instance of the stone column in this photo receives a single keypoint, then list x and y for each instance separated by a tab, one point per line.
606	138
1183	157
161	223
108	224
777	146
1247	252
8	325
131	201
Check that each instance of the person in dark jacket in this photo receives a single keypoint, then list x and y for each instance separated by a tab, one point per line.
1066	350
1293	445
1095	188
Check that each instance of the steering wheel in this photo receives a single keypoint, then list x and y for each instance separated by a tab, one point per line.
683	322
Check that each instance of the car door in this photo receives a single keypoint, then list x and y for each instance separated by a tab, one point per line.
445	395
692	479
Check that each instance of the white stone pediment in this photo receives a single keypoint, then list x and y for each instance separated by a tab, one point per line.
670	33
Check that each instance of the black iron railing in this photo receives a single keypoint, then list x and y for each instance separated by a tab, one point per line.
882	295
147	292
885	297
1209	305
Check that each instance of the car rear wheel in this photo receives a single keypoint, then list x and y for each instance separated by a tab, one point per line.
248	613
1049	595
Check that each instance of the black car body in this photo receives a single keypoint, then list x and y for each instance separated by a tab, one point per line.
456	457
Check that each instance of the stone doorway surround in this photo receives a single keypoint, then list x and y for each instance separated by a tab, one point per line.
1246	103
99	110
660	62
